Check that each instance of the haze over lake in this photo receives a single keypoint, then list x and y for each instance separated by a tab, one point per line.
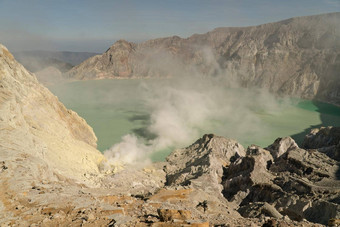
161	110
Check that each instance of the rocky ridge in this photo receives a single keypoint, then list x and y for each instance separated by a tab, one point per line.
35	125
297	57
50	173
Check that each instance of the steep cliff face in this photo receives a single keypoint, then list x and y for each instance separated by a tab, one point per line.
298	57
35	124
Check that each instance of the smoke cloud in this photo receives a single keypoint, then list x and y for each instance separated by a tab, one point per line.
191	104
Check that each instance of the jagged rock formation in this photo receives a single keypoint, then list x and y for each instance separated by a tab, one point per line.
281	180
202	163
297	184
325	140
297	57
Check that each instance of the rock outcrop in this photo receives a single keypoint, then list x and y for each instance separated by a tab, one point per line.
282	181
325	140
206	159
35	125
297	183
297	57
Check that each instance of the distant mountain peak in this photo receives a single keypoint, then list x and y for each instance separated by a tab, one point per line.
121	44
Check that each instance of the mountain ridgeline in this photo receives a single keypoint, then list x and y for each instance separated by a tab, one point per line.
299	57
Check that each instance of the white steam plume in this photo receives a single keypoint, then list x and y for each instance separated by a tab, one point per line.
188	105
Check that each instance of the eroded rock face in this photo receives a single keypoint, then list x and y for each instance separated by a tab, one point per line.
200	168
282	181
323	137
115	62
297	57
35	124
202	163
281	146
249	172
295	181
326	140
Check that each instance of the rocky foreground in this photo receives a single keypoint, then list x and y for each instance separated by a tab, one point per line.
296	57
52	175
214	182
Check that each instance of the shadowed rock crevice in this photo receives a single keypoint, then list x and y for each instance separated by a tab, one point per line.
295	178
207	155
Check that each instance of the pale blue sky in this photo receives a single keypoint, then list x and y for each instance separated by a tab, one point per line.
85	25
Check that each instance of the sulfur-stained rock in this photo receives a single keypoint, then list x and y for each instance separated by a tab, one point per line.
137	181
171	215
34	122
333	222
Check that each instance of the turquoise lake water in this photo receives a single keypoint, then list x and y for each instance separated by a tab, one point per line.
115	108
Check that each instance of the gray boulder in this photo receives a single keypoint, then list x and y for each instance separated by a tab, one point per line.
281	146
202	164
248	172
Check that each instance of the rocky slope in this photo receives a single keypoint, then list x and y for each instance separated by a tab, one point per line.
50	173
35	125
297	57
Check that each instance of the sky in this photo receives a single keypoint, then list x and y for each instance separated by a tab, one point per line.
94	25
